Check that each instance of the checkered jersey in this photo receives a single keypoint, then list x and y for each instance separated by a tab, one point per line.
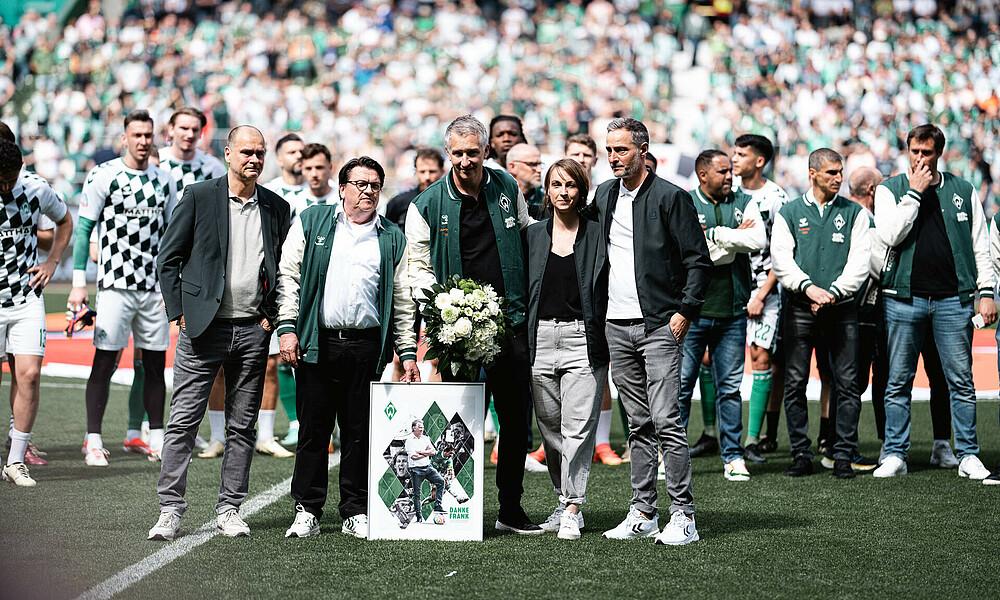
131	209
202	167
294	195
20	214
769	199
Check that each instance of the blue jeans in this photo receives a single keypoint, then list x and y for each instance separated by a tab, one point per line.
950	322
726	343
417	477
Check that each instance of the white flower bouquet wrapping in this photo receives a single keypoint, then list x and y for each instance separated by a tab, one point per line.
465	325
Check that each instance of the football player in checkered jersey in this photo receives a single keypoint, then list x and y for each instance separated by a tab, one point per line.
130	201
24	197
185	161
750	156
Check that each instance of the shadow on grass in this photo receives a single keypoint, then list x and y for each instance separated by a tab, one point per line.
720	523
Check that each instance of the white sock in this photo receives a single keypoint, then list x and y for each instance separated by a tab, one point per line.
293	424
604	427
18	446
156	439
490	428
217	422
265	425
131	434
94	441
10	430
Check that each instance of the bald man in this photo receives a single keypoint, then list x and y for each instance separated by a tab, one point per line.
862	186
218	272
524	163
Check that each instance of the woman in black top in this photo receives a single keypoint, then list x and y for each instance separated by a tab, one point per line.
569	352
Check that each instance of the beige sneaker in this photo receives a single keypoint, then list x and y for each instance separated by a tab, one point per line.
18	473
214	450
271	447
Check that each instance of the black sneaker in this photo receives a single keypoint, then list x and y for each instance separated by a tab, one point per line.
994	478
518	522
861	464
767	445
753	454
801	466
706	446
842	469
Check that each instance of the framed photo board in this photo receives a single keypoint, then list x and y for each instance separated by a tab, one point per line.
452	417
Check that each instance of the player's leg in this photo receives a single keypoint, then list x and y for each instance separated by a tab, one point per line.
267	443
136	408
602	450
111	332
25	333
286	395
151	331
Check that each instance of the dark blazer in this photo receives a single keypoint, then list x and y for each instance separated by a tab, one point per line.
192	259
591	275
672	264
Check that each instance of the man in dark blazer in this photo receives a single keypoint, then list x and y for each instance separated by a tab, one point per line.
218	273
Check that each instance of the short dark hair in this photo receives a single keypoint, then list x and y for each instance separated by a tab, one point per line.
6	134
502	118
366	162
141	115
761	146
927	132
10	157
706	157
312	150
640	135
415	421
582	139
652	158
818	157
579	176
288	137
429	154
191	112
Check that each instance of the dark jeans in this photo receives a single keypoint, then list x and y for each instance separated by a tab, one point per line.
837	326
240	350
509	378
417	477
335	389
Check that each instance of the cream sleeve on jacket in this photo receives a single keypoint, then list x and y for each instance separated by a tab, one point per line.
289	276
403	310
418	242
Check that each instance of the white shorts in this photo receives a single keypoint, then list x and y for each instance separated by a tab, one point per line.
22	328
273	348
120	312
761	330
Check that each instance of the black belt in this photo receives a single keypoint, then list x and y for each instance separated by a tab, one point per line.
351	334
626	322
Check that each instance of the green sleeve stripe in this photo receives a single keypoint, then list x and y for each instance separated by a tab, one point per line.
81	245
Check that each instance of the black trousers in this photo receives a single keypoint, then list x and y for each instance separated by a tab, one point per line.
509	377
335	390
837	326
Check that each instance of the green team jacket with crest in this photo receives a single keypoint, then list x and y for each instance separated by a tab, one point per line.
729	245
432	233
829	247
896	210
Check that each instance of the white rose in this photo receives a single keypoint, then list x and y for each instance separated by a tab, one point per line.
457	295
493	307
442	301
449	314
463	327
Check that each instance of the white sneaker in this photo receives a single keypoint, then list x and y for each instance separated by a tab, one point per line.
942	456
973	468
271	447
570	525
154	456
679	531
736	470
892	465
144	432
356	526
214	449
636	525
18	473
533	465
553	522
96	457
305	524
231	525
166	527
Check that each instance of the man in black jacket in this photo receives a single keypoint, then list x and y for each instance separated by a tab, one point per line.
659	270
218	270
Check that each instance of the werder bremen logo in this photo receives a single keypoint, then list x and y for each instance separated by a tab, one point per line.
390	411
505	202
957	201
839	222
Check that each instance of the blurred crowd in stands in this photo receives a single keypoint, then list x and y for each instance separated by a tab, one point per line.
379	78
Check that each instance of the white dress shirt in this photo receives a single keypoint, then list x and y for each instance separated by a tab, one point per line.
352	277
623	295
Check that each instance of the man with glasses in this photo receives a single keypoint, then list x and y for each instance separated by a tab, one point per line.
524	163
344	300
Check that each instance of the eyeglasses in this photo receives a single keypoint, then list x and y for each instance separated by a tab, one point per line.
363	185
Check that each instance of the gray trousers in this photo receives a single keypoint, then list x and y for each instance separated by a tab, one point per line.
568	394
240	350
647	372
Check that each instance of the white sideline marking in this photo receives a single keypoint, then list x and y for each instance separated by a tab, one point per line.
178	548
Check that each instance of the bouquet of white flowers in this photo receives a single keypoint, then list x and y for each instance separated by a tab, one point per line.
464	325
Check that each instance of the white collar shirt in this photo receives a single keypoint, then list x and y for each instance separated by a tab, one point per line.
350	295
623	300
